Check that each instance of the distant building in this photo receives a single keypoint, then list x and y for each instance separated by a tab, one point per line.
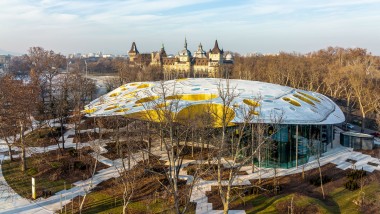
4	61
184	64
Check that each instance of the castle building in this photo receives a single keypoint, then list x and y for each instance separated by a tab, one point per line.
184	64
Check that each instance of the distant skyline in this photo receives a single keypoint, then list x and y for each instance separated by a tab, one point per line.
265	26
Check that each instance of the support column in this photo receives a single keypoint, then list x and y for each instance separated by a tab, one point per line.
333	135
296	146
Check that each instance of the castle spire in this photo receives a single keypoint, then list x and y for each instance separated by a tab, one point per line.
216	49
185	43
133	48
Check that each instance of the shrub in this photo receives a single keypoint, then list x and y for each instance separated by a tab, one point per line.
191	171
316	181
353	177
32	171
55	165
351	185
356	174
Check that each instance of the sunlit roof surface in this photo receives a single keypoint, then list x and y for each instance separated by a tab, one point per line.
265	101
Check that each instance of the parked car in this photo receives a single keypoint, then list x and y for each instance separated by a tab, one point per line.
349	126
376	134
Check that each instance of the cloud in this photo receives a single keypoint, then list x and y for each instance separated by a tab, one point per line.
79	25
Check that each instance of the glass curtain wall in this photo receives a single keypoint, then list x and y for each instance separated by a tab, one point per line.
292	145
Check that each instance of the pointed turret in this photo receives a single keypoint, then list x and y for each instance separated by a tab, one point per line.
185	46
163	52
216	49
133	49
200	53
133	52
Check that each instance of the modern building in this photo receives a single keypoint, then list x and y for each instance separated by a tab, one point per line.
185	64
299	123
357	141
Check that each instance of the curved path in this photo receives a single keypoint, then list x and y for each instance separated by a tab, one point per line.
11	202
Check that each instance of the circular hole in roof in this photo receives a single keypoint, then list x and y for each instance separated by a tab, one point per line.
254	112
122	110
195	89
268	101
251	102
145	85
311	97
114	94
110	107
291	101
147	99
291	108
277	109
306	100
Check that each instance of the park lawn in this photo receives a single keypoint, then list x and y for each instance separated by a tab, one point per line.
51	170
21	182
42	137
343	198
100	202
263	204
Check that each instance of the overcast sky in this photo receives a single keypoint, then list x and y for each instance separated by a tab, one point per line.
266	26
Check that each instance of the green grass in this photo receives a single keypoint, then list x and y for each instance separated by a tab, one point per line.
341	196
100	202
42	137
344	197
21	182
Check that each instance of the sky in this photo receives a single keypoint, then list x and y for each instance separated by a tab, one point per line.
264	26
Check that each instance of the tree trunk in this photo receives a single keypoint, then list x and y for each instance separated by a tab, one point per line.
320	177
363	124
23	155
10	152
62	134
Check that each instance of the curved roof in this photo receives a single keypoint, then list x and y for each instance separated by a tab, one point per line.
260	102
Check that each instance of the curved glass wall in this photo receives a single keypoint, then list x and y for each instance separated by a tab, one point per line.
293	145
357	141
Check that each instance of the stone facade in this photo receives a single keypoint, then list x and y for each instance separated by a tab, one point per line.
184	64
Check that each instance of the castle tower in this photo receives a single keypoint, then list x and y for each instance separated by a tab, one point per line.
215	59
200	53
133	52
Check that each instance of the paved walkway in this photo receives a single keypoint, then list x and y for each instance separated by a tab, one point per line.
13	203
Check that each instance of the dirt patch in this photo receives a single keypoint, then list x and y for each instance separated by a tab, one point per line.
52	170
210	171
103	122
150	188
124	148
42	137
89	136
197	153
289	184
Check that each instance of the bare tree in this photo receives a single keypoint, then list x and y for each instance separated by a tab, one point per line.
240	152
19	103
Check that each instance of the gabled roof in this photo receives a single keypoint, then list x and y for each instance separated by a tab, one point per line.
133	48
216	49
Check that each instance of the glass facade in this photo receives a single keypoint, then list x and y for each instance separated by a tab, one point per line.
357	141
292	145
